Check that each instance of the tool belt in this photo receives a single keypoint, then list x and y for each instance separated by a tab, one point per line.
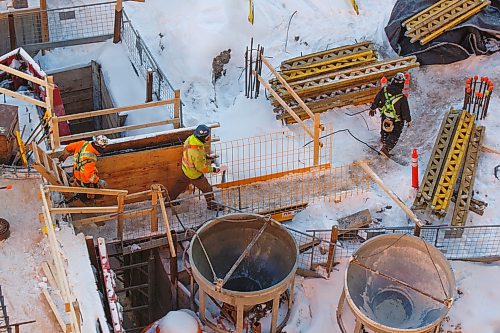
388	125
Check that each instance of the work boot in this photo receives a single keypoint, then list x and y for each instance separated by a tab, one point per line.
385	151
215	207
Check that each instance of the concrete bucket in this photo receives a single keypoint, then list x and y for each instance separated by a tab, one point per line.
243	260
398	283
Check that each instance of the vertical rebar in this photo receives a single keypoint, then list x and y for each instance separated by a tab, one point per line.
250	76
246	72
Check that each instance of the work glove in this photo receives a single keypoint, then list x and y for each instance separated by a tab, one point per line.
219	170
409	124
212	156
101	183
372	112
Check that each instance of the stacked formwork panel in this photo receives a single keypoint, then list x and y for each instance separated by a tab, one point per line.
451	169
347	75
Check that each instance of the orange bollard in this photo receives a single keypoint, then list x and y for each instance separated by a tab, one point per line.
406	88
414	168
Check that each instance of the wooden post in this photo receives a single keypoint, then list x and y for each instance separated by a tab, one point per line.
288	88
44	21
117	36
283	104
154	208
331	250
174	275
317	143
119	226
49	105
12	32
177	109
149	86
391	194
167	226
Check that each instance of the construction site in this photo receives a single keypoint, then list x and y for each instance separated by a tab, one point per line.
248	168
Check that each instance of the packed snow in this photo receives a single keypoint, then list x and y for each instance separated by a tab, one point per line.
185	36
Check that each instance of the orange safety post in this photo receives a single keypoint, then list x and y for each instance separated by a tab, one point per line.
414	168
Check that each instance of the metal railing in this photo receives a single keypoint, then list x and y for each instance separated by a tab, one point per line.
142	60
38	28
464	242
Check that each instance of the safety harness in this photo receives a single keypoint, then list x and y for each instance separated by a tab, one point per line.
388	109
79	163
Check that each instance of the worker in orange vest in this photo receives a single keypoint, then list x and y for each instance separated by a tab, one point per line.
84	158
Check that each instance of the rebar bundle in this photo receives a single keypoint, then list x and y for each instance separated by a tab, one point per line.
478	92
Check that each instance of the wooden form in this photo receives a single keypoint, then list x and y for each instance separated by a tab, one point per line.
171	244
391	194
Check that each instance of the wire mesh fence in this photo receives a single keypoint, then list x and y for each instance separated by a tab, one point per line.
142	60
465	242
59	25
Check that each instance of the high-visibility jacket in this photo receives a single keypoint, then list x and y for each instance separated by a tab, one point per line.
392	103
84	159
194	158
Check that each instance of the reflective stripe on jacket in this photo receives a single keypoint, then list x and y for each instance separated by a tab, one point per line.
388	108
194	158
84	159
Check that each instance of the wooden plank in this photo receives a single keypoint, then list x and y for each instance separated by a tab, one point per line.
23	75
137	195
490	149
84	210
154	209
390	193
309	245
270	176
74	79
116	130
108	217
284	105
135	107
119	226
49	275
354	221
45	174
68	189
288	88
22	97
62	318
171	244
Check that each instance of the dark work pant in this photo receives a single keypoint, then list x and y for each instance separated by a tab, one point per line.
390	139
200	183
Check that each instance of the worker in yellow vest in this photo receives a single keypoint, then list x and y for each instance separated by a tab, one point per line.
195	163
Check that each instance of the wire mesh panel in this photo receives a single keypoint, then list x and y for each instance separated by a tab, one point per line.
62	24
81	21
271	154
4	318
142	61
466	242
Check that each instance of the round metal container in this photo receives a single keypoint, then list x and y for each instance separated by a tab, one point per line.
4	229
265	273
406	284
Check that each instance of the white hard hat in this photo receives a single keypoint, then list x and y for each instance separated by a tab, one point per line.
179	322
101	140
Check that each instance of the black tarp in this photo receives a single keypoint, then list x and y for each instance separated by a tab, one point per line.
478	35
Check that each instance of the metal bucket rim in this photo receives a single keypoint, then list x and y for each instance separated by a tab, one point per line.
261	292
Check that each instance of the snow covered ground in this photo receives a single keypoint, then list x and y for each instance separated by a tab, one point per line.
185	36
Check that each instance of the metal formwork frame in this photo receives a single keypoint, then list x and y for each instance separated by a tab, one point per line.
465	190
348	77
454	160
438	155
436	19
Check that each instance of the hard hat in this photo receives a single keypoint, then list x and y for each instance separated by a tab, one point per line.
101	141
202	131
399	78
178	322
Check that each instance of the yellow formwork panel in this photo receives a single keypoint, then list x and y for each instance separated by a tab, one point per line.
442	197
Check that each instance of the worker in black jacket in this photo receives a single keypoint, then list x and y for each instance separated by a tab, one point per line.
394	112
